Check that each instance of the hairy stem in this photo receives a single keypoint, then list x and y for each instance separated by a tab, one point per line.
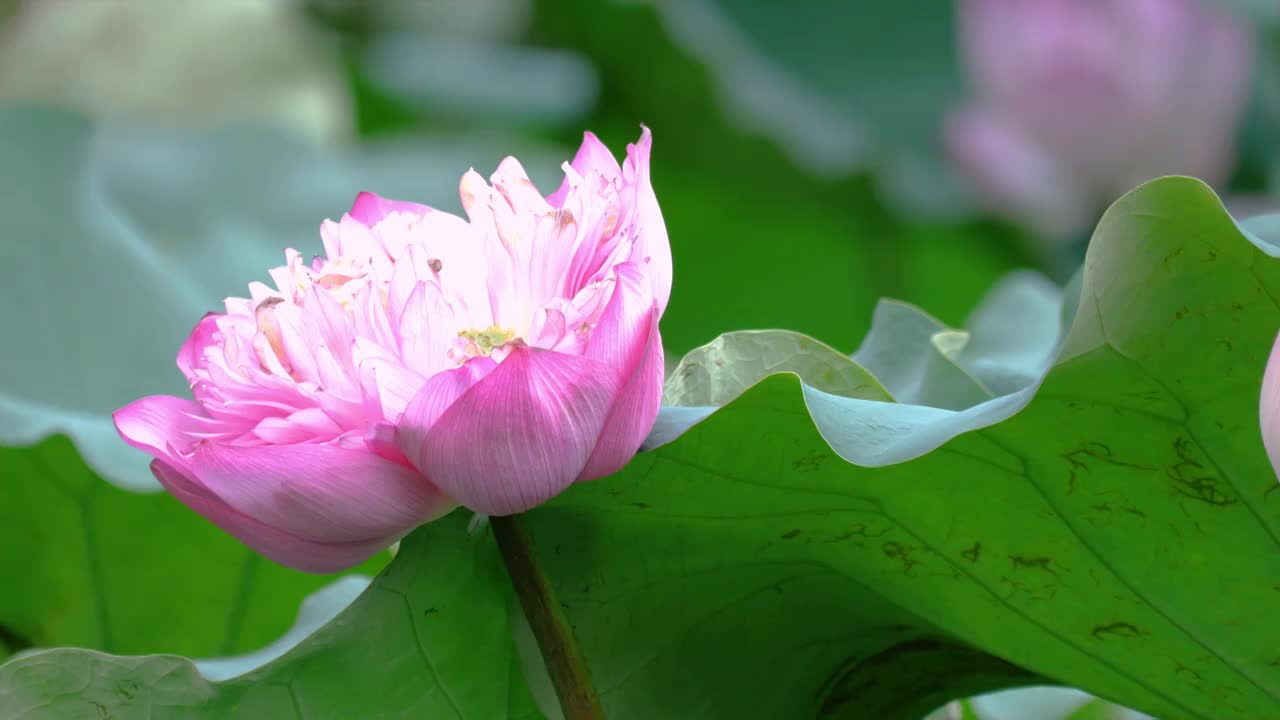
551	629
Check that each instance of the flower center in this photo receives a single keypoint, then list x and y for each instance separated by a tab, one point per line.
484	342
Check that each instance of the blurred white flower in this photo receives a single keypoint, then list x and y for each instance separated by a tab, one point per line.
190	62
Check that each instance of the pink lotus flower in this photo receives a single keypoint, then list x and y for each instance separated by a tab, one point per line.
1078	101
425	361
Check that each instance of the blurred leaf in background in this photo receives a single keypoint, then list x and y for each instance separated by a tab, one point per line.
842	87
463	62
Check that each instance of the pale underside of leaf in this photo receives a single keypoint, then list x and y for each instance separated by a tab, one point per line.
720	371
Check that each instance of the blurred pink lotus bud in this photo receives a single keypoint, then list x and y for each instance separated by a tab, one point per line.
425	361
1078	101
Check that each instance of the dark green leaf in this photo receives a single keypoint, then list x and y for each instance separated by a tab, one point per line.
93	566
430	638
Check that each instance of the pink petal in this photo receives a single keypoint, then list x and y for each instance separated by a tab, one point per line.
388	387
592	155
513	183
634	411
372	322
380	439
651	243
162	426
332	343
431	401
307	425
619	337
523	433
425	328
298	337
322	493
369	208
549	330
1269	406
191	354
279	545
